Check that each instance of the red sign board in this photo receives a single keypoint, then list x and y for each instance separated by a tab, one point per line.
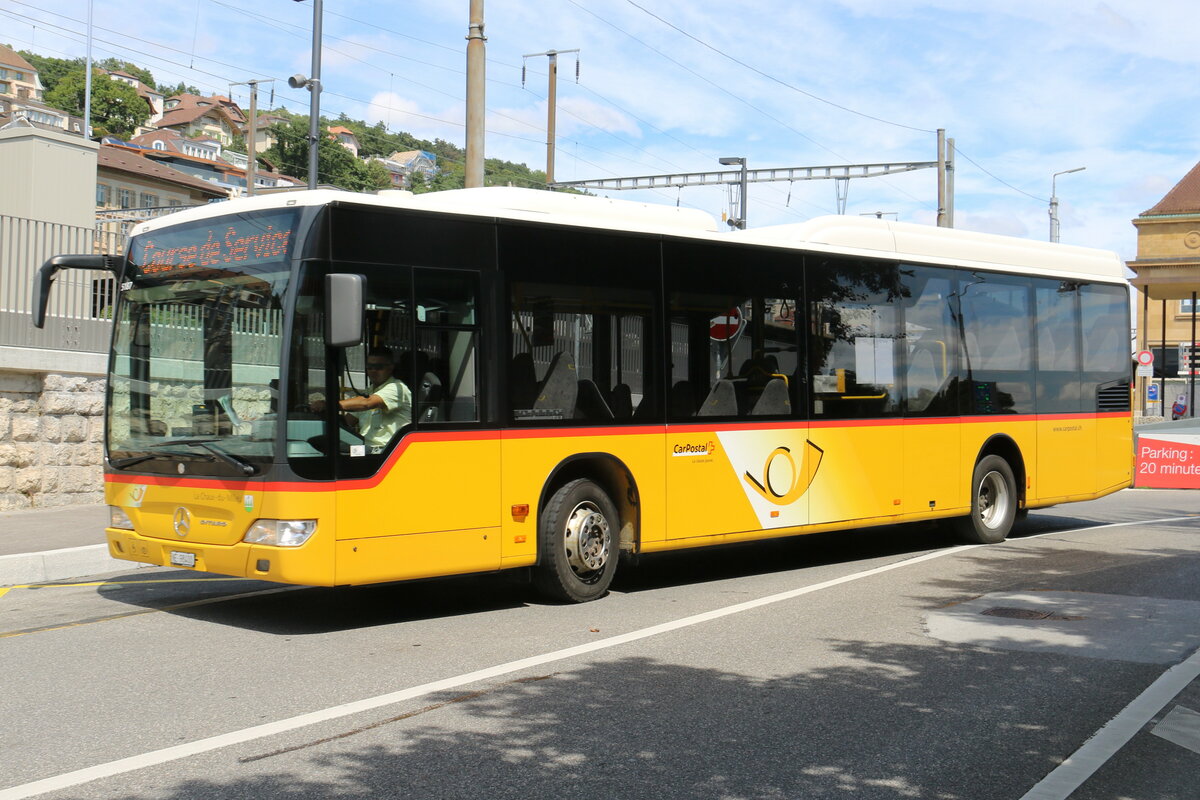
1168	461
726	326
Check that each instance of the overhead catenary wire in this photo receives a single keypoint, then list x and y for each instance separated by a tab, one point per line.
774	78
405	116
293	99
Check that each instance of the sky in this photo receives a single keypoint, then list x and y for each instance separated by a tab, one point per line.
1026	88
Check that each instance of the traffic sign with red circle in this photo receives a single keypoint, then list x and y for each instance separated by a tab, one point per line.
726	326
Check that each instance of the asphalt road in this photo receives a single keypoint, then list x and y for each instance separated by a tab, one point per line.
886	663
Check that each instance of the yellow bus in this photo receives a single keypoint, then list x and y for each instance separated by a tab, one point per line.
333	389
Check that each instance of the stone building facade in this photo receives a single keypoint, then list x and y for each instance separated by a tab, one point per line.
1168	278
51	429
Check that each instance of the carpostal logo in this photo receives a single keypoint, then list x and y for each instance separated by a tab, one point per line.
695	449
784	478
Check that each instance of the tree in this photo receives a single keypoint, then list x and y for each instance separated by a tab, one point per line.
117	110
289	154
52	70
237	145
335	164
179	88
117	65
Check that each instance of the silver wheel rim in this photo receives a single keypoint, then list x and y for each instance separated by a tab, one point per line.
587	538
994	500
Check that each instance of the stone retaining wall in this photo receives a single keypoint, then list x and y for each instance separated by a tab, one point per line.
51	434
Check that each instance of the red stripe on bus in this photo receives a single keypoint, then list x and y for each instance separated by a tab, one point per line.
189	482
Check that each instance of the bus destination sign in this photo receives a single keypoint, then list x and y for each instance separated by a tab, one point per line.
230	242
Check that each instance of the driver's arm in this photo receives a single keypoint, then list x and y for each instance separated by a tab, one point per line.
368	403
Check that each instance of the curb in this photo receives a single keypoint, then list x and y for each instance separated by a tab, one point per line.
57	565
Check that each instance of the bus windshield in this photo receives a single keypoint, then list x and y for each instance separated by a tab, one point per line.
193	384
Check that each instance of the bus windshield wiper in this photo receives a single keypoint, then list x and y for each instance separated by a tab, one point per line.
229	458
122	463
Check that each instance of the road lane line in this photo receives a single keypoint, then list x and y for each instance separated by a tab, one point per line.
1104	744
168	754
125	614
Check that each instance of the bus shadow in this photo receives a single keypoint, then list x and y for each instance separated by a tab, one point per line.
298	611
683	567
285	610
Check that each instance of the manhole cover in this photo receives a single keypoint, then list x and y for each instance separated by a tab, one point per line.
1025	613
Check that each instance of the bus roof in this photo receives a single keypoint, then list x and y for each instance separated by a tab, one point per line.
828	234
929	244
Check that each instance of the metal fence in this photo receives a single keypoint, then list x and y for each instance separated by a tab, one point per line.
78	318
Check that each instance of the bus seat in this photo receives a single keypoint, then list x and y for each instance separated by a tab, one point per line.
774	400
1005	351
922	378
427	400
721	401
560	388
589	403
621	401
682	403
522	381
1100	338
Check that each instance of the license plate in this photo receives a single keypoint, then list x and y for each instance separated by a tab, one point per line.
179	559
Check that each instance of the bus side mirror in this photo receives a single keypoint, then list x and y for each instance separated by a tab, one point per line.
45	276
344	309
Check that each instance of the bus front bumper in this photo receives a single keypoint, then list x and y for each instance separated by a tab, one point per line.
300	565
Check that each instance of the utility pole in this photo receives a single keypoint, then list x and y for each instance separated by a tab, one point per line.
551	103
313	84
252	154
941	187
252	135
475	96
87	80
1054	201
314	88
949	183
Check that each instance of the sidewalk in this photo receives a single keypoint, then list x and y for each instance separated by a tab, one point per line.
51	544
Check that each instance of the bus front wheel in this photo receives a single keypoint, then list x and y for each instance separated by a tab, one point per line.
578	543
993	502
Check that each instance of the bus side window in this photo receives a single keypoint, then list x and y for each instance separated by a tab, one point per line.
930	341
1105	317
445	367
578	353
854	354
1057	306
998	318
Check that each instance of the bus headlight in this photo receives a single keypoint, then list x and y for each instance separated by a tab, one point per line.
117	518
281	532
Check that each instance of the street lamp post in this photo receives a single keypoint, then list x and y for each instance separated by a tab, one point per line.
313	85
1054	201
739	221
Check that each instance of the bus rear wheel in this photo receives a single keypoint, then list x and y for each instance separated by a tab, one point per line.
993	502
578	543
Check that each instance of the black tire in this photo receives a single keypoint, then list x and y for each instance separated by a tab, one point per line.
579	543
994	503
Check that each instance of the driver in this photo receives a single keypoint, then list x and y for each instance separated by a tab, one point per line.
387	406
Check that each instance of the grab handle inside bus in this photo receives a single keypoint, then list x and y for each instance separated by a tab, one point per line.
344	309
41	286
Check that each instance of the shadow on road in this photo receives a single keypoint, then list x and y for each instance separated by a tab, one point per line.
295	611
886	722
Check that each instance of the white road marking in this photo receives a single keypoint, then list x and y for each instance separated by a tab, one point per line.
1105	743
167	754
1181	727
